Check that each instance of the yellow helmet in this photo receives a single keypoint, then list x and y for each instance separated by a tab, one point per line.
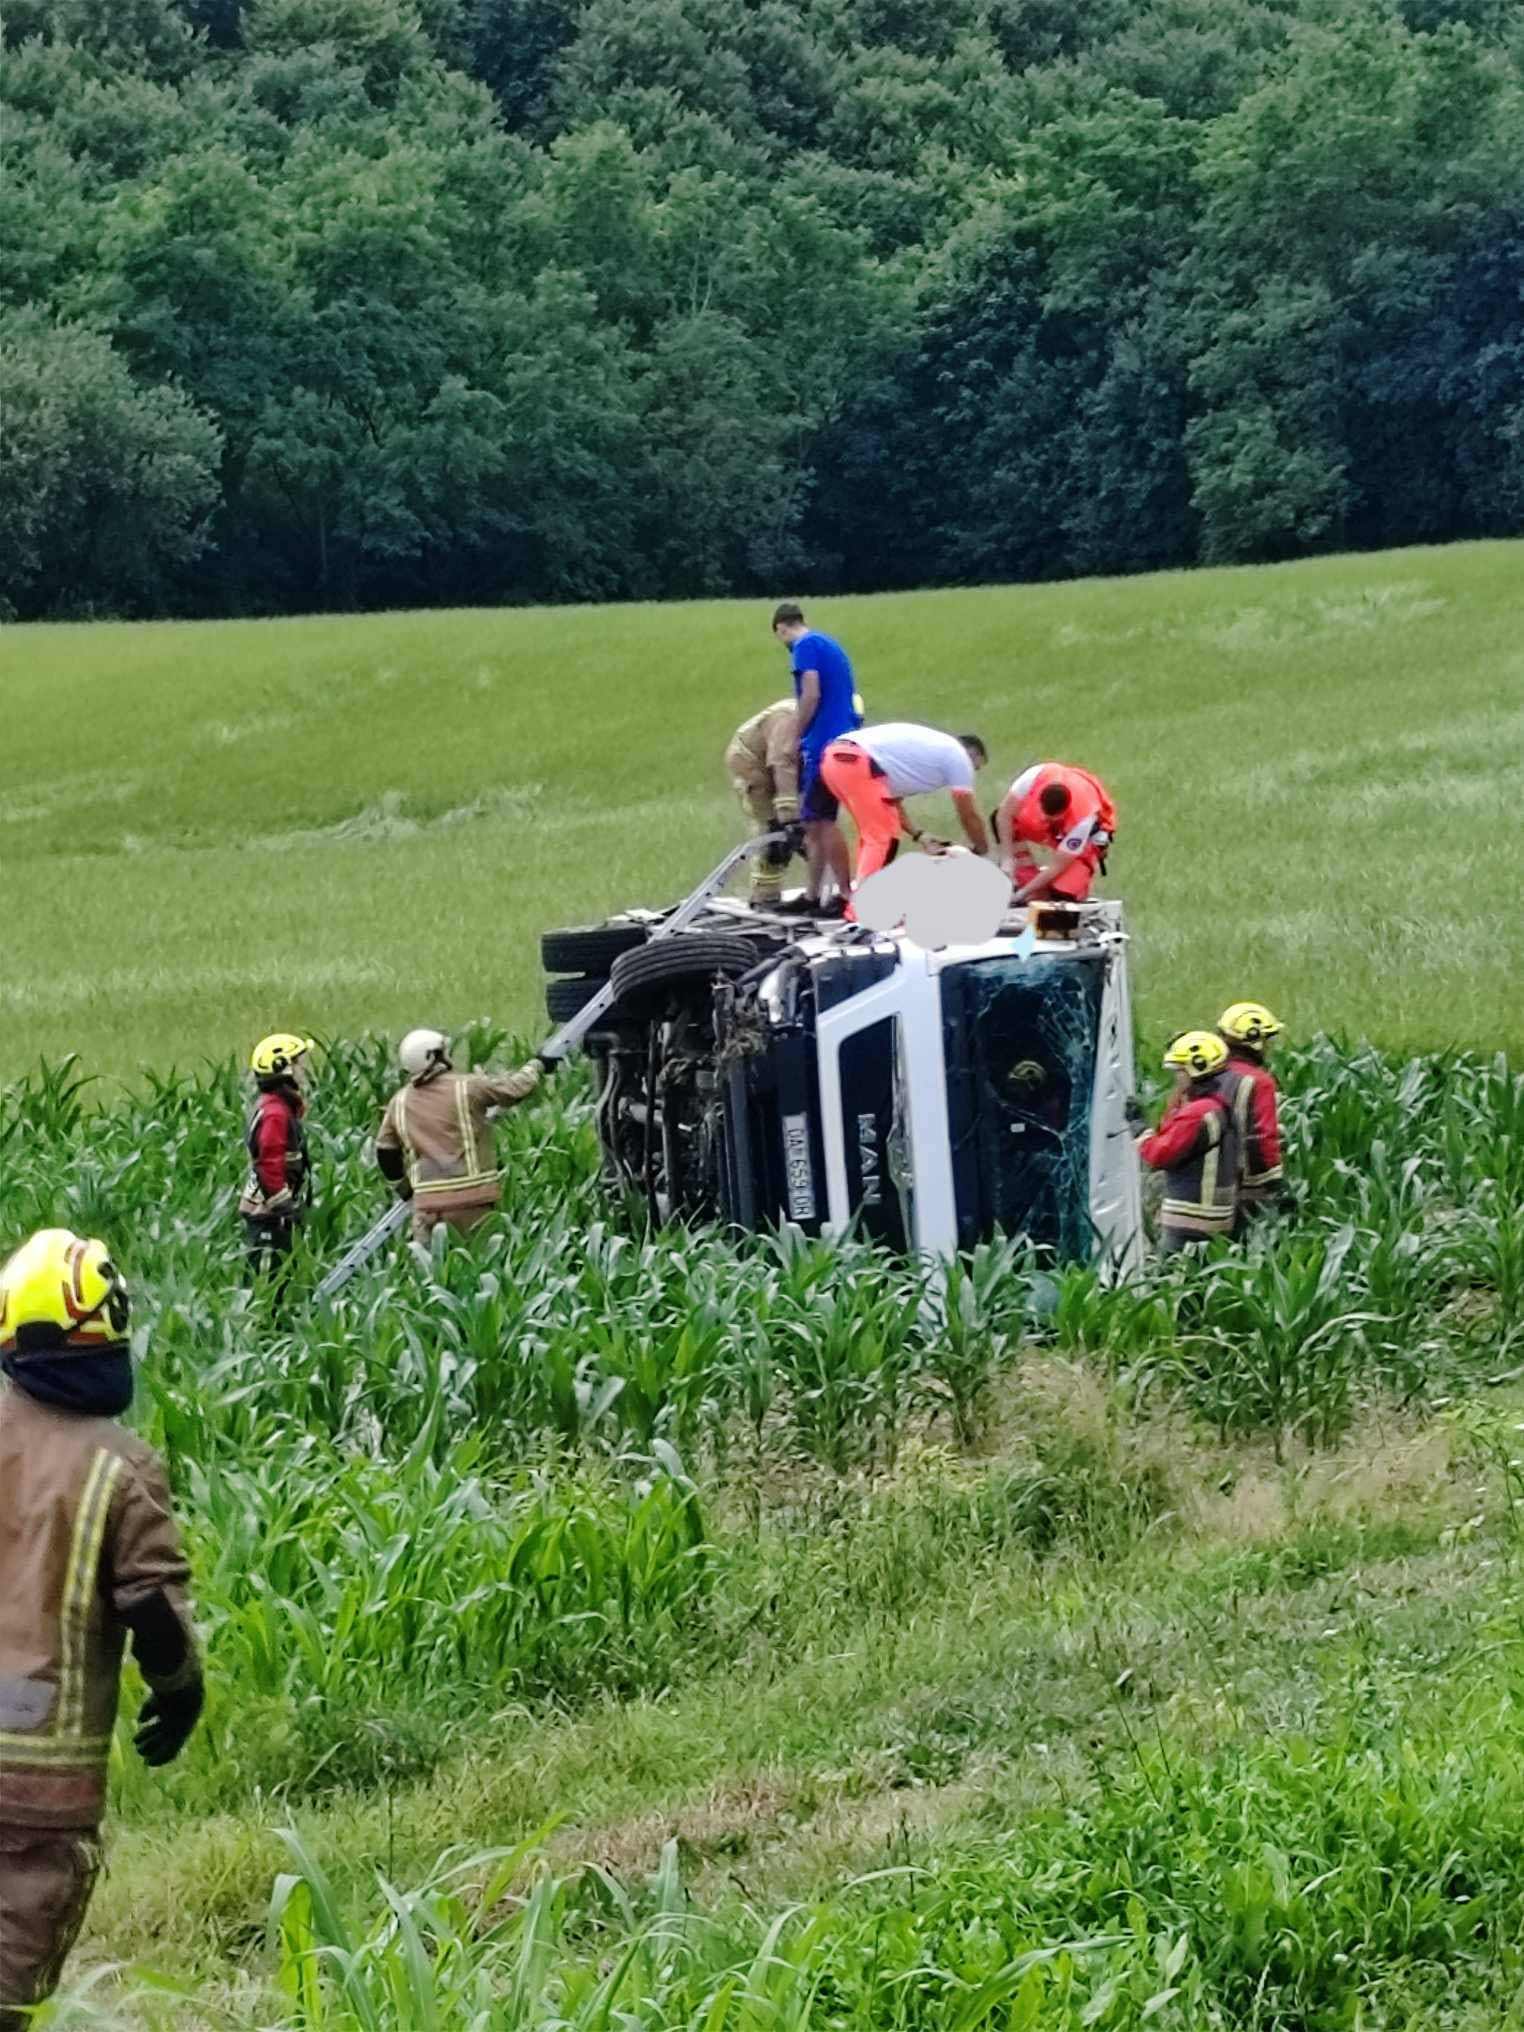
1249	1023
1197	1052
276	1055
61	1291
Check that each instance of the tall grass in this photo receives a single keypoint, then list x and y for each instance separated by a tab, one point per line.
483	1480
1398	1269
571	1462
1367	1877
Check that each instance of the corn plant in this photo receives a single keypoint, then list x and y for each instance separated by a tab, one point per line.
495	1472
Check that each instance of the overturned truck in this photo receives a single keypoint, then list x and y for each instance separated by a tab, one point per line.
755	1070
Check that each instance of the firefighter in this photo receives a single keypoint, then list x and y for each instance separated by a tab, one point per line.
89	1558
1249	1031
763	761
1196	1144
1069	812
276	1191
435	1142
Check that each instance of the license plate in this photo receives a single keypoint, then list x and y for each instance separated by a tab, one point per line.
798	1172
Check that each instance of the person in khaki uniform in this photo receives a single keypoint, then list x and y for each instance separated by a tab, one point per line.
763	761
435	1142
89	1556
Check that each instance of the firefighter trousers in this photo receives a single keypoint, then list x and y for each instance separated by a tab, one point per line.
427	1218
46	1879
753	785
1175	1241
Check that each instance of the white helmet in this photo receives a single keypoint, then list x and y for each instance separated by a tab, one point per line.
424	1051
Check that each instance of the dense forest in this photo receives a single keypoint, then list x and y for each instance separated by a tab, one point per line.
347	303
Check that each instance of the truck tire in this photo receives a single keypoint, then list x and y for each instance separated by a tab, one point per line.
647	975
589	948
565	999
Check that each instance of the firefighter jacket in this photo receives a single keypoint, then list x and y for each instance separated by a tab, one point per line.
766	750
438	1123
87	1538
276	1187
1256	1117
1196	1147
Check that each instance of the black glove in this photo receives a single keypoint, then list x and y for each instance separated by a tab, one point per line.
547	1064
776	854
165	1722
793	836
403	1189
1136	1120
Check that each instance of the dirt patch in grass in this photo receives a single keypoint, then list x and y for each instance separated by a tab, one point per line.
1390	1464
1385	1468
726	1821
744	1831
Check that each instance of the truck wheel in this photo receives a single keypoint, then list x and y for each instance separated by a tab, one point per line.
588	948
565	999
684	960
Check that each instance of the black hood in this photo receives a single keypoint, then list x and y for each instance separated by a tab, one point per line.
96	1382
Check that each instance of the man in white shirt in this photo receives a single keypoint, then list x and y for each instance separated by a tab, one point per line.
873	771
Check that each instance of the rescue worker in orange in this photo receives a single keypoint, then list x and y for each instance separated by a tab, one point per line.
763	763
1196	1144
1066	810
874	769
435	1143
90	1558
1249	1031
275	1194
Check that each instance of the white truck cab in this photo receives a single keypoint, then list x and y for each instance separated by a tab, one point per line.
755	1070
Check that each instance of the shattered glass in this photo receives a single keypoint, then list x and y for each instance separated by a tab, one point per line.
1021	1038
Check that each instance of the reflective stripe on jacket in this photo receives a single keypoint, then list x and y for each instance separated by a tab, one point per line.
277	1146
439	1123
86	1535
1196	1147
1256	1117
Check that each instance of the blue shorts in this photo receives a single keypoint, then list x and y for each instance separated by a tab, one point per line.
816	804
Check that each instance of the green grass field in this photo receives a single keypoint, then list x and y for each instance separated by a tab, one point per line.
336	824
608	1630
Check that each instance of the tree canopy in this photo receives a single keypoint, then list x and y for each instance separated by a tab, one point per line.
346	303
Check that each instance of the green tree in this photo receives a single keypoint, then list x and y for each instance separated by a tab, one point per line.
569	298
1269	465
106	485
515	46
385	39
1352	205
152	38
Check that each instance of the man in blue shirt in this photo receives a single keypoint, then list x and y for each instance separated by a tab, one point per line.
826	707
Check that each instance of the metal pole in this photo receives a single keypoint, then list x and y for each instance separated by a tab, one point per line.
551	1052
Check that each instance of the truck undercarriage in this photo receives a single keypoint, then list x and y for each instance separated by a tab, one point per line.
755	1069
